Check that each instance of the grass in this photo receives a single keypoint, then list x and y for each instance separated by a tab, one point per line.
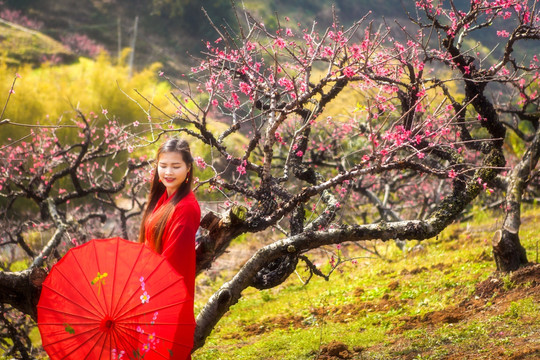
415	305
401	307
24	46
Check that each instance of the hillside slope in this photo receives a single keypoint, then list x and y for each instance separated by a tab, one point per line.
20	45
440	300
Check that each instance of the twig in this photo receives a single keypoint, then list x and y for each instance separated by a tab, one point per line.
7	101
14	335
55	239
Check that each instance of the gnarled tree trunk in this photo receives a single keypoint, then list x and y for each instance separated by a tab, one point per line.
508	252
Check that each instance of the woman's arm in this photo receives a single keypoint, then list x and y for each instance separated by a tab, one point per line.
179	241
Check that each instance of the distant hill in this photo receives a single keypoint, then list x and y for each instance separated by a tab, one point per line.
20	45
162	34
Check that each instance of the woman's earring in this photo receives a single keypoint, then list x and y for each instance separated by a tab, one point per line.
187	178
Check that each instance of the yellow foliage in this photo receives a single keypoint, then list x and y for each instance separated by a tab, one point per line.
48	94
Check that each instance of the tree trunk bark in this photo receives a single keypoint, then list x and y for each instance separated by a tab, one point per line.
21	289
508	252
221	230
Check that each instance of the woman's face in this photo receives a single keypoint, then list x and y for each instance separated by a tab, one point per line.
172	170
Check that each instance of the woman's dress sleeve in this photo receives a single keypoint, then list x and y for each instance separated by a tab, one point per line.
179	239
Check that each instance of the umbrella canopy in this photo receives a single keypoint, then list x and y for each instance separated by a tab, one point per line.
115	299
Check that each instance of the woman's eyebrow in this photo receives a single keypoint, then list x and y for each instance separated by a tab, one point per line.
166	163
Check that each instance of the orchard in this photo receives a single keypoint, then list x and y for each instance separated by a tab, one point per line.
323	136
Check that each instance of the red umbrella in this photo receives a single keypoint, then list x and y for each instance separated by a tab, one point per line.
115	299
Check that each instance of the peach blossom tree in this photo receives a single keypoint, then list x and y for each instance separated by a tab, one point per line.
361	132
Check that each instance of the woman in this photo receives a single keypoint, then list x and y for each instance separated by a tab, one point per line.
172	217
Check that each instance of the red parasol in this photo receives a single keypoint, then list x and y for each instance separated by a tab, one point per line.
115	299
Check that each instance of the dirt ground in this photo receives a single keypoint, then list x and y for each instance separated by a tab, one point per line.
526	283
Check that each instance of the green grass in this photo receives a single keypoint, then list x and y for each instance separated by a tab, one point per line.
523	308
400	307
371	304
19	45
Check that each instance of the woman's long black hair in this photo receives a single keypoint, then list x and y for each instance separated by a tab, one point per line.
157	189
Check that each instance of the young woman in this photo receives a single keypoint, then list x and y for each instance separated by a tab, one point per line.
172	216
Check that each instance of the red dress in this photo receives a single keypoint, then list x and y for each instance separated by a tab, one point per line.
178	241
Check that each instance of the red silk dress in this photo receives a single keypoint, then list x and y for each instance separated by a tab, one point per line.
178	241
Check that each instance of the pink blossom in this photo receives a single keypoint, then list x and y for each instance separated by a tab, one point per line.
373	139
279	43
286	83
299	153
235	99
279	139
200	162
16	16
452	174
245	88
503	33
348	72
241	169
482	183
82	44
328	52
104	111
145	298
356	51
250	46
